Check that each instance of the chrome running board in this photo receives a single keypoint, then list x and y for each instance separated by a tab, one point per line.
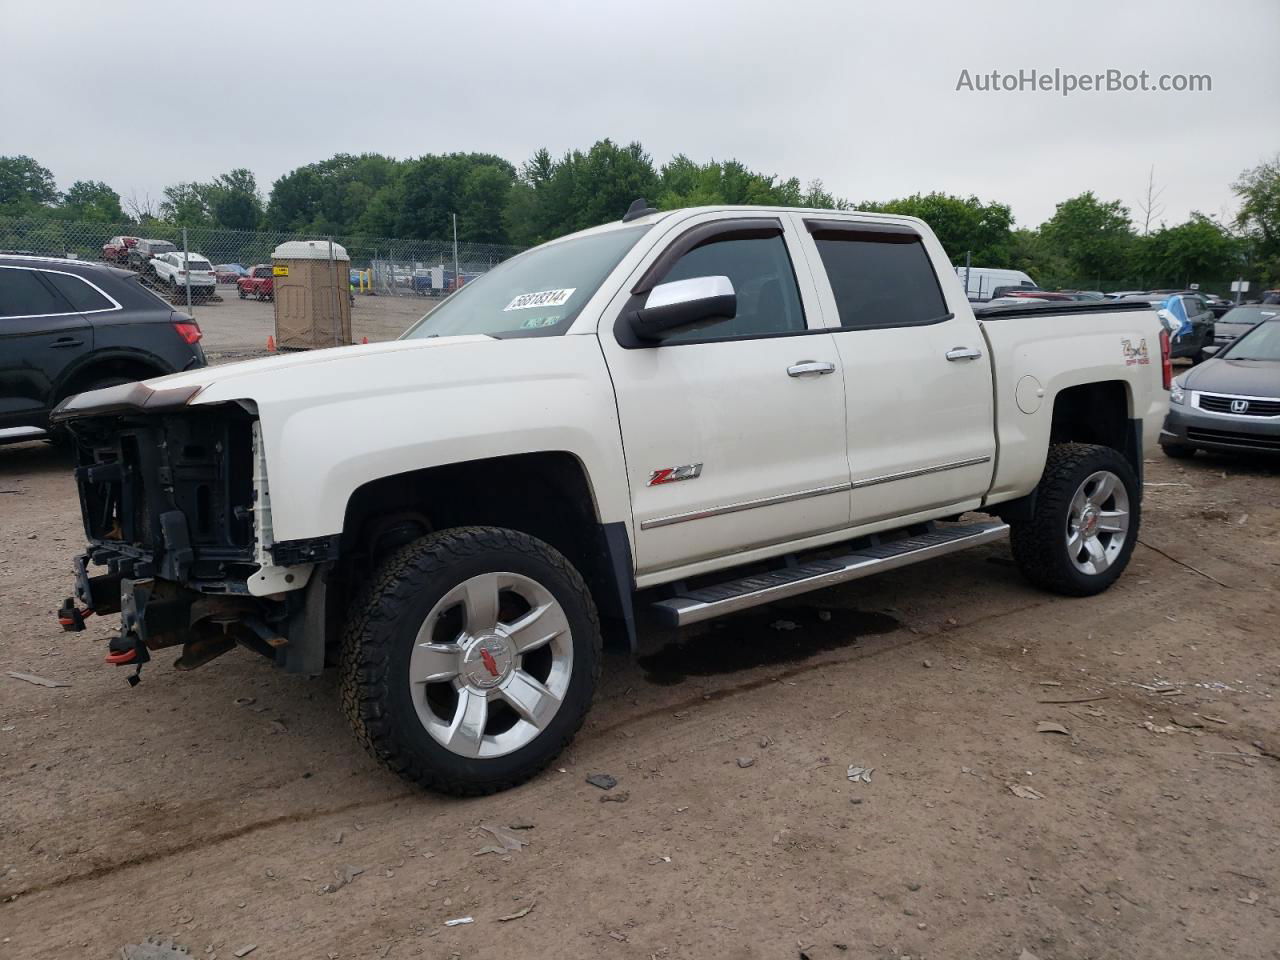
691	606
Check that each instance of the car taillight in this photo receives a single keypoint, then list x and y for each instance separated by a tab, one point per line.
1166	360
188	330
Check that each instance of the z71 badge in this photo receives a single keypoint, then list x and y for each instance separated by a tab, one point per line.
689	471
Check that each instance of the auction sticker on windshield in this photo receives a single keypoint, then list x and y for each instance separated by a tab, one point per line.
543	298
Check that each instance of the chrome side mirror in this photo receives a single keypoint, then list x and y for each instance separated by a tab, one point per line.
684	303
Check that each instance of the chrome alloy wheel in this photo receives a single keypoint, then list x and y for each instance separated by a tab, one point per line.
1098	522
491	665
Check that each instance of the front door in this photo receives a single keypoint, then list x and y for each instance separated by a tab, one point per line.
734	433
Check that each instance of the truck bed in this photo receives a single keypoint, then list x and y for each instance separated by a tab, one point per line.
1052	348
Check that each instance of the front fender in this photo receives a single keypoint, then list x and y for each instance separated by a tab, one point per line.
330	428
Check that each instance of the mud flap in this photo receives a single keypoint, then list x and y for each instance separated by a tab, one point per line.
307	628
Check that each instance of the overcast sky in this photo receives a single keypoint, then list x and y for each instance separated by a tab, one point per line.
860	94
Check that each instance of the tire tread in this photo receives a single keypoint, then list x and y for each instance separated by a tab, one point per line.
371	632
1038	545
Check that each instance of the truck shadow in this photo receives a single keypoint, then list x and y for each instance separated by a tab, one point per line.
37	457
769	636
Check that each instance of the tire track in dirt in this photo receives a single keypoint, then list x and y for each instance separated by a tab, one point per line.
598	736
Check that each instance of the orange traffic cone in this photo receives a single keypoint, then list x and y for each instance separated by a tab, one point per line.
271	344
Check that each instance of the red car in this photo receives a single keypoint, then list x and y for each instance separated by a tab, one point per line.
259	283
116	250
229	272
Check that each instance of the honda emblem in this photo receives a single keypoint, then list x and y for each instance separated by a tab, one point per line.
1239	406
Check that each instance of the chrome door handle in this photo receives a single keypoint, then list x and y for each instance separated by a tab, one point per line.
810	366
964	353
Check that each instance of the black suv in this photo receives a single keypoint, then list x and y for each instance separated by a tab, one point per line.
67	326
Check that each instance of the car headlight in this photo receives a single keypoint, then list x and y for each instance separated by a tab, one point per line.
1176	394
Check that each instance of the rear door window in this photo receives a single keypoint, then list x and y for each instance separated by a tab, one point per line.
79	293
24	294
879	280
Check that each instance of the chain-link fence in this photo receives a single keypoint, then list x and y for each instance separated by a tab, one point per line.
379	265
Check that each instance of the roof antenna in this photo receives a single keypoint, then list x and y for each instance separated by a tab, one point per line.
639	208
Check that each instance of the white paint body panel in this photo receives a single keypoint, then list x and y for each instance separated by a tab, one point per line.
334	420
1062	351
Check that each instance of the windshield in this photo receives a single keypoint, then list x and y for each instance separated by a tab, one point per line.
1247	315
536	294
1260	343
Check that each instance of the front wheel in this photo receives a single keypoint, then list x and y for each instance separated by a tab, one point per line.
472	660
1085	521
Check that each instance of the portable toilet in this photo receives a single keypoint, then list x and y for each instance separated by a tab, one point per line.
311	284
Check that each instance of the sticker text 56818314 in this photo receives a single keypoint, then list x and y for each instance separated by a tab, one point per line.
543	298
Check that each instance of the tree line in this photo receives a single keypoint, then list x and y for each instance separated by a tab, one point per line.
1087	241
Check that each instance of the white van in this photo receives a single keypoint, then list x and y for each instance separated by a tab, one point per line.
984	280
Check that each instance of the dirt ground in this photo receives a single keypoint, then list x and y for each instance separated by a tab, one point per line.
235	328
230	807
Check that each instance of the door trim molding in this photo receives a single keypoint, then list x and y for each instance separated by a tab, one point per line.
890	477
743	505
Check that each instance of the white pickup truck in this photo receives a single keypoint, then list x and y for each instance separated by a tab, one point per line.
696	411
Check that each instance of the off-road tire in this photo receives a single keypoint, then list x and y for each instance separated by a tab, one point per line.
379	638
1040	544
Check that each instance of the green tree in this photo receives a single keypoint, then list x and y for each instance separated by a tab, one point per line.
1193	252
233	201
332	196
962	224
1029	253
686	183
581	189
25	185
1093	237
185	205
435	187
1259	192
92	200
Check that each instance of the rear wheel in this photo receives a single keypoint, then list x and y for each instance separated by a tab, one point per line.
1085	521
472	660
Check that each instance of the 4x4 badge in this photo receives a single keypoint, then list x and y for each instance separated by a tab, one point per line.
689	471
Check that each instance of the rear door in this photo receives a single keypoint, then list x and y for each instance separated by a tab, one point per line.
918	386
42	334
733	433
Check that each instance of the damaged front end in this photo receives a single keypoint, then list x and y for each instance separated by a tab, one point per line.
177	512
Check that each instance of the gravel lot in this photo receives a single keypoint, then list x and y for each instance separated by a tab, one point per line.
229	807
237	328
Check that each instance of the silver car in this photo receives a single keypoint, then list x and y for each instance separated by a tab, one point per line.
1230	402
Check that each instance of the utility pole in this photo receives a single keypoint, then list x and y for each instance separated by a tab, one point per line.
186	269
457	273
